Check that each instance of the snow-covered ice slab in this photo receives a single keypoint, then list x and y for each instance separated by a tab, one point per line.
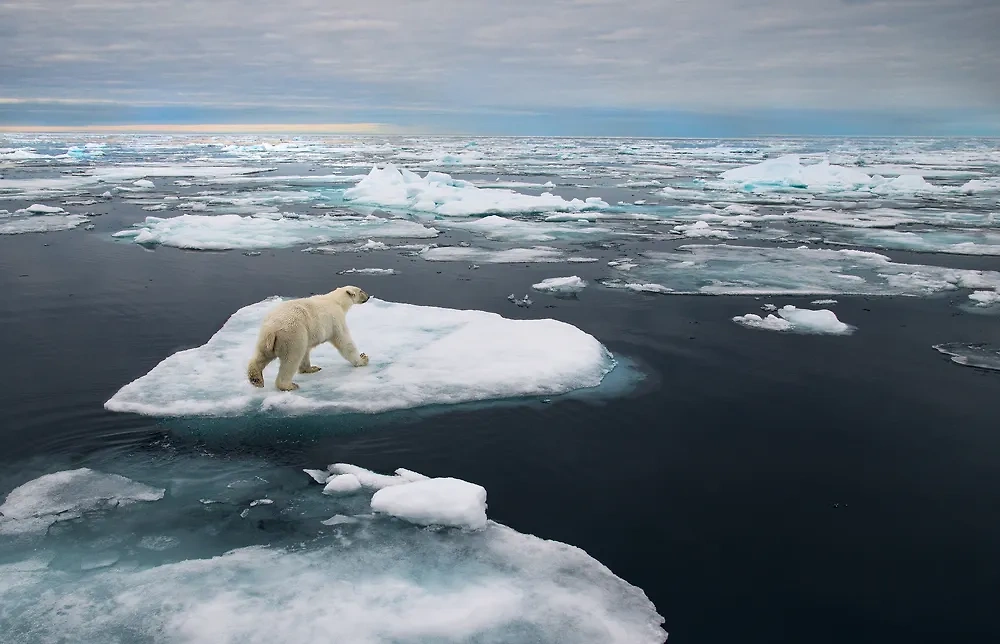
225	232
788	172
65	495
790	318
39	223
561	285
959	241
723	269
438	193
535	254
980	356
438	501
419	355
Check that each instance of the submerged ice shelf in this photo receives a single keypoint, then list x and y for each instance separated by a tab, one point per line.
241	551
980	356
420	356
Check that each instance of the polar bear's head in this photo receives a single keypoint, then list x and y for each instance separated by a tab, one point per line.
356	295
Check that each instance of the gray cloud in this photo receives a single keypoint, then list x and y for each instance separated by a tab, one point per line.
455	54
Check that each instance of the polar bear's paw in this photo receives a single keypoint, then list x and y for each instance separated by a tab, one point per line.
288	387
312	369
362	360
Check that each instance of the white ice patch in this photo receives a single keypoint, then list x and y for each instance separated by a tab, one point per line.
40	209
437	501
636	287
957	241
60	496
502	228
723	269
701	229
224	232
439	193
561	285
822	321
40	224
537	254
823	302
367	271
788	172
144	183
985	298
342	484
419	355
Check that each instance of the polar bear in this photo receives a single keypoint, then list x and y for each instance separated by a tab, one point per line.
293	328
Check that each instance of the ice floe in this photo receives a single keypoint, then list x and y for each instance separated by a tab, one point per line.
438	193
536	254
561	285
419	355
790	318
957	241
985	298
502	228
701	229
39	223
66	495
188	571
980	356
368	271
224	232
723	269
788	172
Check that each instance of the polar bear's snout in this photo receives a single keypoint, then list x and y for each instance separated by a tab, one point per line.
362	296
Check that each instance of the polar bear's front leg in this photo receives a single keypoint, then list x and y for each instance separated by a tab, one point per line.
346	347
306	366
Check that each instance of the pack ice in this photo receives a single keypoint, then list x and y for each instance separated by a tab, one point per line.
439	193
419	355
214	563
723	269
224	232
788	172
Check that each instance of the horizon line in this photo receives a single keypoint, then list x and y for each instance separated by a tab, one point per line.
210	128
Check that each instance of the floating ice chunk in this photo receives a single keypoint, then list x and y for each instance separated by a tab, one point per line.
823	302
723	269
770	323
40	224
636	287
39	209
496	227
420	355
374	480
561	285
225	232
342	484
957	241
822	321
524	302
439	501
339	519
439	193
143	183
769	308
410	475
537	254
701	229
257	502
985	298
368	271
320	476
39	503
117	173
787	171
980	356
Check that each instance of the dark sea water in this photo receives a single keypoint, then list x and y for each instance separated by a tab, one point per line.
759	487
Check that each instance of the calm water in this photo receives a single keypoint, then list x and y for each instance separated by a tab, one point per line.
758	487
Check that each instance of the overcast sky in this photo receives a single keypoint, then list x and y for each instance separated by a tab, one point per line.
473	65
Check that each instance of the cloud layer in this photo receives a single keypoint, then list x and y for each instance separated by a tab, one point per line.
338	61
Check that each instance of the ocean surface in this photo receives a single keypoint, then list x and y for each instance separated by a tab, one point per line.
790	477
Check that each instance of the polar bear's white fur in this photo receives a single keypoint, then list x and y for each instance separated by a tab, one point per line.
291	330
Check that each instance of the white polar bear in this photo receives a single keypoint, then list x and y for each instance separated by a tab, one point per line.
291	330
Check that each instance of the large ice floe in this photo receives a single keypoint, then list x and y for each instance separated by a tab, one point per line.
959	241
436	192
39	223
238	552
788	172
790	318
224	232
723	269
419	355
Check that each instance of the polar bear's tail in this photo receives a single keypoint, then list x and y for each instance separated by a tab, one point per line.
263	355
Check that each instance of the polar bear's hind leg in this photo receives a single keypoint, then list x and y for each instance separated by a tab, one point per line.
306	366
291	350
